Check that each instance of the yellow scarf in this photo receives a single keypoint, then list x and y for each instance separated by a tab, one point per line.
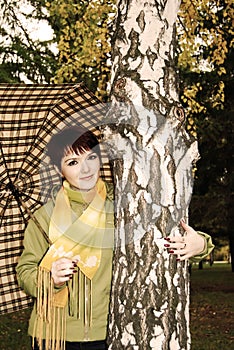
77	238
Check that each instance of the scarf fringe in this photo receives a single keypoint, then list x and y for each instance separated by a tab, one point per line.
74	298
50	324
74	302
88	303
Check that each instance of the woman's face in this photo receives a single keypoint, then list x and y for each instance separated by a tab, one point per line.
81	171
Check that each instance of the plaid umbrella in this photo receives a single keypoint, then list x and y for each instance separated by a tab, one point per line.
29	115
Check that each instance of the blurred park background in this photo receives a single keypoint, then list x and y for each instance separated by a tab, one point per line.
68	42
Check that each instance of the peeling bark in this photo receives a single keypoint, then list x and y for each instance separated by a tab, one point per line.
153	161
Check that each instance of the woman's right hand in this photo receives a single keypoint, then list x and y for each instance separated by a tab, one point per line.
62	270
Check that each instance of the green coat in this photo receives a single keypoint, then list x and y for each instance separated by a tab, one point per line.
35	247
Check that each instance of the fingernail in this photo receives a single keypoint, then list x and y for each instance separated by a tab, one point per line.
171	251
75	271
167	239
166	245
177	259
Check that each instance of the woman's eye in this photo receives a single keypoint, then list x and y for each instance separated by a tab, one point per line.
93	156
72	162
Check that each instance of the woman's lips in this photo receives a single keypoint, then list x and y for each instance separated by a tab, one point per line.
86	178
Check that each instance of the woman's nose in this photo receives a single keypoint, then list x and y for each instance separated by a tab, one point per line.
84	167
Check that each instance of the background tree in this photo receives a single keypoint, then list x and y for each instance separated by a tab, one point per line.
82	34
78	51
22	56
207	87
153	172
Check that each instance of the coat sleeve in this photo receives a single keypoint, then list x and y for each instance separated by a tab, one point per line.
35	246
209	246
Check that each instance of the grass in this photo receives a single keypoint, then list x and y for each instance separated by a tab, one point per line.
13	331
212	307
212	313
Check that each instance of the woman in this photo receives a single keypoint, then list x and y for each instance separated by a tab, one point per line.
70	277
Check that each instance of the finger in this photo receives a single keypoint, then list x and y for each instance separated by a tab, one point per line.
176	239
61	265
182	251
184	225
63	260
61	280
185	257
179	251
188	229
175	246
179	245
65	267
58	280
64	273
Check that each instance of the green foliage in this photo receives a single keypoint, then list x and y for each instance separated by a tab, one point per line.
82	33
207	87
21	56
205	46
81	36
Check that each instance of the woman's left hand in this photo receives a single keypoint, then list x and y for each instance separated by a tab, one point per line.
186	246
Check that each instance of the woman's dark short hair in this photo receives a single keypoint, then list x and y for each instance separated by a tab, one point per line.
76	139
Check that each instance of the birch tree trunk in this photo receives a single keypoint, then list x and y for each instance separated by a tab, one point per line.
153	159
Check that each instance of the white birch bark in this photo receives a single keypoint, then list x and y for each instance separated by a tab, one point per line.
153	175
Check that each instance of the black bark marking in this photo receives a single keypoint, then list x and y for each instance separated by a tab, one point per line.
141	20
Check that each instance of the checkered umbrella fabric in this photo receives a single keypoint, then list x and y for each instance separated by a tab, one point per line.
29	116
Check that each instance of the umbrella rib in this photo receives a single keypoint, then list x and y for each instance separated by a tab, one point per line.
36	222
4	209
10	185
41	127
15	193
